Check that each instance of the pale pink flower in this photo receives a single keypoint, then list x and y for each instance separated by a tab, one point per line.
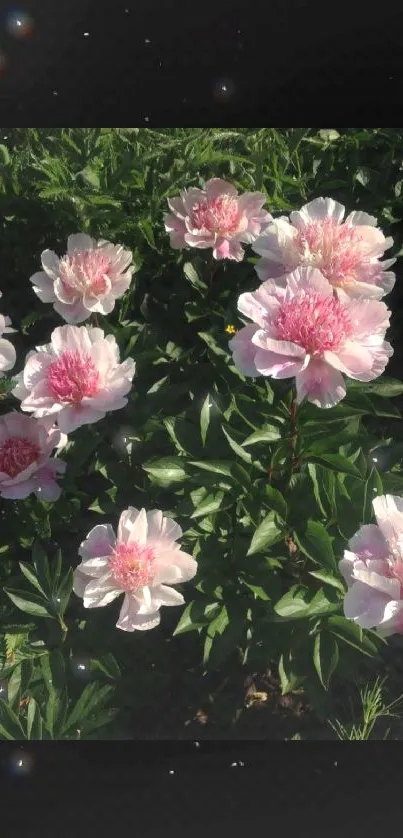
347	253
142	562
76	379
373	570
25	458
216	217
302	330
8	355
89	278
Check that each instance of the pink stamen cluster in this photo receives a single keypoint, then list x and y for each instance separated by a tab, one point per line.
132	565
219	215
335	248
314	322
85	271
16	454
72	377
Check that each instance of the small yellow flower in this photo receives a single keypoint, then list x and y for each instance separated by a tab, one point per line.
231	330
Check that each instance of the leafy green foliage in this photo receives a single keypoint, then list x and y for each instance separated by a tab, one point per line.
267	495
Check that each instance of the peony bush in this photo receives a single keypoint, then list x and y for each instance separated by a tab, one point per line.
216	390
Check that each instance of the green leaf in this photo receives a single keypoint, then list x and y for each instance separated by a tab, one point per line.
226	641
210	504
328	579
10	727
293	604
338	463
217	626
31	576
212	344
93	698
383	386
205	418
62	594
268	433
325	656
296	604
107	664
276	501
191	274
147	230
56	569
257	590
196	614
316	543
352	634
318	489
373	488
34	720
5	155
167	470
90	177
266	534
289	680
244	455
14	687
42	568
53	671
56	710
29	602
383	407
216	466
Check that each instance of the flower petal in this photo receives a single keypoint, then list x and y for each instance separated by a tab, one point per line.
369	542
100	591
133	526
388	511
50	264
73	416
80	581
131	620
8	355
318	210
99	543
320	384
365	606
79	241
244	351
43	287
216	187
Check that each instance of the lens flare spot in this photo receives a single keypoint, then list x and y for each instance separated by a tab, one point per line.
19	24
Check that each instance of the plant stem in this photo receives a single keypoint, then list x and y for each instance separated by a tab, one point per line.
95	319
294	431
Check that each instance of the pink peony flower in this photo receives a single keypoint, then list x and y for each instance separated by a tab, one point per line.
347	253
373	570
142	562
8	355
90	277
25	462
76	379
304	331
216	217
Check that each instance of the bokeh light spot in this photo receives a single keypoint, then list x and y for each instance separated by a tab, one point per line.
19	24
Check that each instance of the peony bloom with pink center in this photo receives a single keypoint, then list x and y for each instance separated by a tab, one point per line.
76	379
141	562
8	355
89	278
302	330
26	464
373	570
216	217
346	252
